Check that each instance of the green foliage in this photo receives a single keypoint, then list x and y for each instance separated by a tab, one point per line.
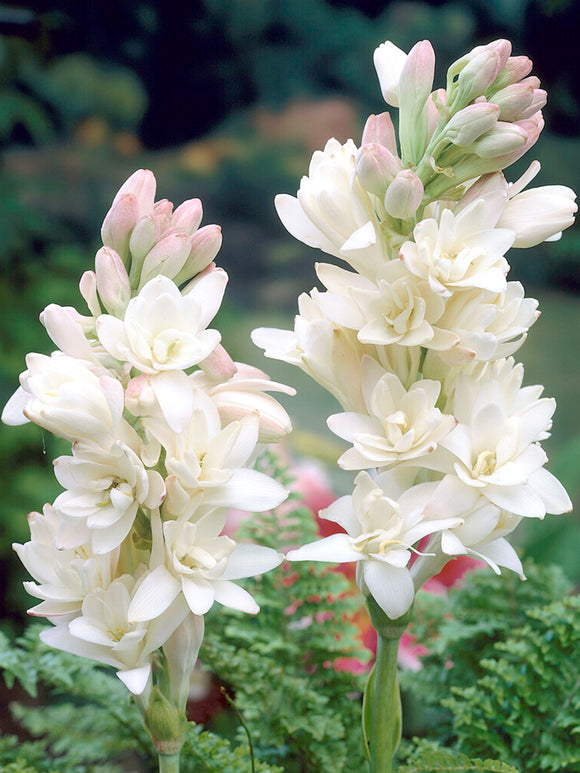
78	86
526	708
461	629
501	677
87	723
429	759
206	752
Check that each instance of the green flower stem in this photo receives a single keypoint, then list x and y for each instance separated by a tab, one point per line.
169	763
385	709
382	702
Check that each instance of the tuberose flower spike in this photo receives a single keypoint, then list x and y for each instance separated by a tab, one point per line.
165	428
412	338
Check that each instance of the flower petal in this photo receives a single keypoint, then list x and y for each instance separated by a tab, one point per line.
248	560
391	587
153	596
336	549
174	394
231	595
135	679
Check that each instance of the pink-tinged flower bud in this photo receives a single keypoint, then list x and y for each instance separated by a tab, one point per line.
88	289
143	238
112	282
536	105
404	195
376	167
379	129
470	123
473	166
532	128
470	76
519	100
415	86
219	365
516	68
162	213
389	61
531	80
119	223
166	258
187	216
435	107
504	138
140	398
205	245
142	185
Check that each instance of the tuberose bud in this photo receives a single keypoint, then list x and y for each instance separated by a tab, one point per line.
112	282
472	122
415	86
204	246
142	185
88	289
389	60
187	216
502	139
404	195
119	223
376	167
379	129
470	76
167	257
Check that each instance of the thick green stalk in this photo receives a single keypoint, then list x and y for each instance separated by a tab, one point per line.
385	708
169	763
382	702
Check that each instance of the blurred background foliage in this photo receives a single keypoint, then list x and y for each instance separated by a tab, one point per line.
227	100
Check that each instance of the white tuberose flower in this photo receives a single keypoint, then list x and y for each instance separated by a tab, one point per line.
62	395
64	577
105	490
398	308
208	462
164	333
332	211
399	424
460	252
201	564
380	535
104	633
494	451
164	330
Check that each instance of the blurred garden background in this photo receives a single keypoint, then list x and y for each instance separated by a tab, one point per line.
226	100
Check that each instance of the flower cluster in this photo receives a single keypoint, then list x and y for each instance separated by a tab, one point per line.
165	429
415	339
